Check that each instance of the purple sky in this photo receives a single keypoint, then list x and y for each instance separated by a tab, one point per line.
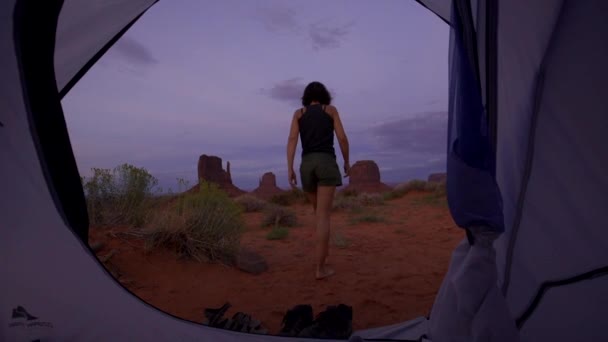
224	77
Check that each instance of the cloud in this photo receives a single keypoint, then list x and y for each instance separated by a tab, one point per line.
328	37
289	91
424	133
134	51
278	19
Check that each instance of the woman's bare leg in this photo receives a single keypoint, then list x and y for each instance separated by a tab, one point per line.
312	197
325	197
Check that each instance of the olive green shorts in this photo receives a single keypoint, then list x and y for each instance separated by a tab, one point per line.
319	169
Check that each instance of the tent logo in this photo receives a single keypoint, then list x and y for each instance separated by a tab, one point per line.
22	318
20	312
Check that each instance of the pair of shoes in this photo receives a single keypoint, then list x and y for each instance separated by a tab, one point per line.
333	323
239	321
336	322
213	317
244	323
296	319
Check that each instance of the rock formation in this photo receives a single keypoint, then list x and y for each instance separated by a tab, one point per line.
267	187
210	169
437	177
364	176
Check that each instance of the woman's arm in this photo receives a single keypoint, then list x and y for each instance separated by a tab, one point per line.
292	141
341	135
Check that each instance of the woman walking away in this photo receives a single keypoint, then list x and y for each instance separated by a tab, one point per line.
315	123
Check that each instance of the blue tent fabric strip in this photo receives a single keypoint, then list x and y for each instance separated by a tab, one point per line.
473	194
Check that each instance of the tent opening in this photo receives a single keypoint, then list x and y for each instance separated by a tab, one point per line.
182	96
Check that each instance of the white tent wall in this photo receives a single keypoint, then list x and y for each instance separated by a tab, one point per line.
524	31
561	227
550	156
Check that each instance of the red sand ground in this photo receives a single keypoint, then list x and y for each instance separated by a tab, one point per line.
388	271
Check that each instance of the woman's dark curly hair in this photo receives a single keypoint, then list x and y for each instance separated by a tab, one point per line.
316	91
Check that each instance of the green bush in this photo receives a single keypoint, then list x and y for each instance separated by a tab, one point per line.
275	215
250	203
277	233
205	226
119	196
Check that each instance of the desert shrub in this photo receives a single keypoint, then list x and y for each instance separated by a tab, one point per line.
277	233
437	188
347	203
368	200
283	199
348	193
415	184
299	195
404	188
276	215
440	189
367	218
355	203
204	225
290	197
250	203
119	196
431	200
393	194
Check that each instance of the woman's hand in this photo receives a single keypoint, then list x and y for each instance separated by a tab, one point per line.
346	169
292	178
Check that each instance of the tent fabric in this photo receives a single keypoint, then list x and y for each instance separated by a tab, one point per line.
412	330
563	201
442	8
522	42
469	305
84	30
527	79
473	195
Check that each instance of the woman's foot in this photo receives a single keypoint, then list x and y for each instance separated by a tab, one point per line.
324	272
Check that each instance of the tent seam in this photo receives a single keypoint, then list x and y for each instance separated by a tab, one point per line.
546	286
491	38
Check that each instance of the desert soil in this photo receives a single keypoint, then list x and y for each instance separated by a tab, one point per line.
388	271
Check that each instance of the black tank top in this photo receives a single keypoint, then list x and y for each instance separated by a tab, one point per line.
316	130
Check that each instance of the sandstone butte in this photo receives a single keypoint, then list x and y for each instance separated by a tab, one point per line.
364	176
267	187
210	169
